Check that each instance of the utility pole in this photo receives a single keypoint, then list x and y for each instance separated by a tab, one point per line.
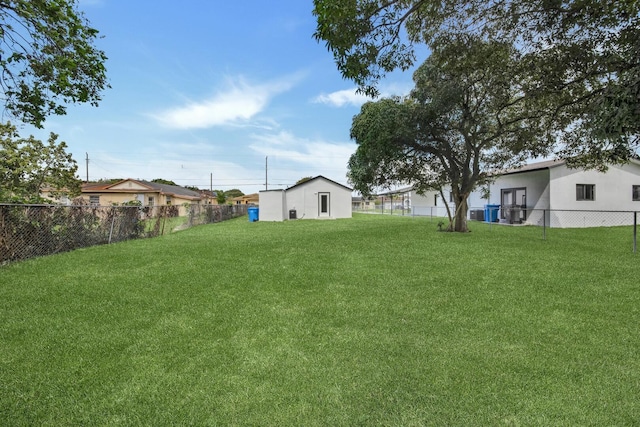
266	169
87	167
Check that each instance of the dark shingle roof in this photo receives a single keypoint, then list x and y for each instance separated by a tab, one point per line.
175	190
171	189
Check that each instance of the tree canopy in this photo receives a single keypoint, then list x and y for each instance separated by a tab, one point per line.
163	181
466	117
234	192
303	179
48	59
586	48
221	197
27	165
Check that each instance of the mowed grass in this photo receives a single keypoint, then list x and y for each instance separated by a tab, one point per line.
369	321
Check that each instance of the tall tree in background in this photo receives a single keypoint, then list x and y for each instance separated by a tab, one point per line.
221	197
234	192
303	179
587	47
47	59
27	165
464	119
164	181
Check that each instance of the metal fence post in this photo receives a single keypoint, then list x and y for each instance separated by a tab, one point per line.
113	219
490	219
635	231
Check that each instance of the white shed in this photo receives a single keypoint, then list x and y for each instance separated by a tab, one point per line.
317	198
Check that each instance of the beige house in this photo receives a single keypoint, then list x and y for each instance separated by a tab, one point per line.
247	199
146	192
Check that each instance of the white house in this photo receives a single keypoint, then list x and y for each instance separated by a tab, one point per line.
570	196
564	197
428	204
317	198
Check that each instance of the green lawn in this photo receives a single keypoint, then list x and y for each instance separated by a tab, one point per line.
377	320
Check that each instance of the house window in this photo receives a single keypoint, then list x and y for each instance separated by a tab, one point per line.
94	200
636	193
585	192
151	201
451	196
435	200
168	200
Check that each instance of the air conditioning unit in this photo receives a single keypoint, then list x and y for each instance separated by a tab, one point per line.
477	214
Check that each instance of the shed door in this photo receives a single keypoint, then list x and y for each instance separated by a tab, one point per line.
323	204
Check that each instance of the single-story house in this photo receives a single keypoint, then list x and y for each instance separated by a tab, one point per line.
428	204
566	197
363	204
569	195
247	199
146	192
316	198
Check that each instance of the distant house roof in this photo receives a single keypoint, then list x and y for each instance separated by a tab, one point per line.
142	187
318	177
397	191
173	189
246	198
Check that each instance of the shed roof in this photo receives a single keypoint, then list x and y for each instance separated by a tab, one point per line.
319	177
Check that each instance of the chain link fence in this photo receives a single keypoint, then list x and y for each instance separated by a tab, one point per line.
28	231
517	215
553	218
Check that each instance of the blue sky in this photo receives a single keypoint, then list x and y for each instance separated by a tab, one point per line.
212	88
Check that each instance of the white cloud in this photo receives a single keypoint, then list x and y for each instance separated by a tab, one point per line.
238	103
179	165
341	98
292	157
352	97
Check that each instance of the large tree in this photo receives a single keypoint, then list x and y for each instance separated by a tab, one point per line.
465	118
569	46
27	165
303	179
234	192
48	59
163	181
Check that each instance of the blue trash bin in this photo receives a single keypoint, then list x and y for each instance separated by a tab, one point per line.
491	213
253	214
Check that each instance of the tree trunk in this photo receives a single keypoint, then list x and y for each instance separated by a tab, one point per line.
460	219
446	205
